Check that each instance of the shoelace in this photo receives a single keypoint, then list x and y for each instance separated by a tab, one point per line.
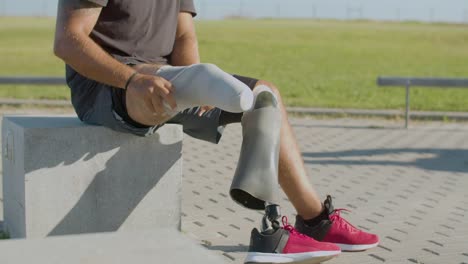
335	217
290	228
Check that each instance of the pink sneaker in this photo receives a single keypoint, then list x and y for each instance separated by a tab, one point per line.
337	230
286	245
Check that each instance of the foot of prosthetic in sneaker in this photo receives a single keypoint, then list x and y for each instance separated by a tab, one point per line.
286	245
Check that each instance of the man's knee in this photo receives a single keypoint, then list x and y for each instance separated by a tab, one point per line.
271	86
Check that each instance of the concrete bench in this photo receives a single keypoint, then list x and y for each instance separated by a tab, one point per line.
152	246
61	176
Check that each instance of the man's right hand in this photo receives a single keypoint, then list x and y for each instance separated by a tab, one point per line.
147	99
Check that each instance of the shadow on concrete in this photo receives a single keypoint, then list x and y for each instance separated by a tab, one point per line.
364	127
81	152
229	248
112	194
449	160
380	127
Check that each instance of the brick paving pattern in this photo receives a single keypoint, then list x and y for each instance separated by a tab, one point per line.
409	186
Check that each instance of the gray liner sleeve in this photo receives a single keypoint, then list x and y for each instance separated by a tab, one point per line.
206	85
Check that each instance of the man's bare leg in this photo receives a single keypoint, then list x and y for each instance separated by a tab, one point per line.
292	174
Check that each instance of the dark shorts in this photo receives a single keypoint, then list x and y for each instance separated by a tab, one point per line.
106	107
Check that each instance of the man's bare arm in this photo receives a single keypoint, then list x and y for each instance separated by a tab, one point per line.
185	50
75	21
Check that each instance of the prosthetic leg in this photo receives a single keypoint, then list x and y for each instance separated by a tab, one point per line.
255	181
206	84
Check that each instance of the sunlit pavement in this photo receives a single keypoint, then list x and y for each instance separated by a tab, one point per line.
408	186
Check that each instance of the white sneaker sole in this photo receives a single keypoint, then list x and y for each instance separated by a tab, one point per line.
346	247
298	258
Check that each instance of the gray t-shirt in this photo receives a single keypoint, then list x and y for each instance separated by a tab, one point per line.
133	32
136	31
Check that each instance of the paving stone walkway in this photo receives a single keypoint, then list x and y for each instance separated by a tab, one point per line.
409	186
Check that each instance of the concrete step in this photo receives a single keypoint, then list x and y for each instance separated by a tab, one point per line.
155	246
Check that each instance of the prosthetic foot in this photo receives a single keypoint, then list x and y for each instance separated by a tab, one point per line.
206	84
270	221
256	178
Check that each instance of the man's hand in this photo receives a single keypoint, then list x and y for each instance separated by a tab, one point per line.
148	99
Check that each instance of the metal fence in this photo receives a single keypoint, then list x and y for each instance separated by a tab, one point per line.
32	80
397	10
421	82
406	82
340	9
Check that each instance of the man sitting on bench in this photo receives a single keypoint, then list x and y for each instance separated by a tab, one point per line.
133	66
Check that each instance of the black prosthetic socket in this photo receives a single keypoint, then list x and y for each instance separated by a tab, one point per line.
270	221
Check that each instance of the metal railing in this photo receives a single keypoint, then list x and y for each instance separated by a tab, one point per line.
32	80
421	82
381	81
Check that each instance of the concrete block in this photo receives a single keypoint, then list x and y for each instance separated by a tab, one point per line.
152	246
61	176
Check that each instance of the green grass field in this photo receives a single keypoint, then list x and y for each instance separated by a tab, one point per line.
3	235
314	63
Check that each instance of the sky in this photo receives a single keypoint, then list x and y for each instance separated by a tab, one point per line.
420	10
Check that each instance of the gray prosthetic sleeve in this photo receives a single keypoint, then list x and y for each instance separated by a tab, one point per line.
206	85
256	178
